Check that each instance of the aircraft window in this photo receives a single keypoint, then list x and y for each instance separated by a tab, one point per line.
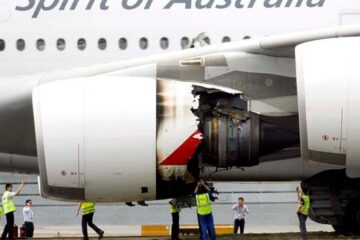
207	40
164	43
2	45
123	43
81	44
102	43
60	44
184	42
226	39
40	44
143	43
20	44
246	37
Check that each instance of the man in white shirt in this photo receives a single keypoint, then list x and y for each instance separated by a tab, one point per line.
28	219
240	210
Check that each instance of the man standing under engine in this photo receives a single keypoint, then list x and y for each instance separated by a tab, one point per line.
240	210
175	215
28	219
303	210
88	210
204	211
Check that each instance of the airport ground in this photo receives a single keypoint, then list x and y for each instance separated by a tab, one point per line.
274	236
121	232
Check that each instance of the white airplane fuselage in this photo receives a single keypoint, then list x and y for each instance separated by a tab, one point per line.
111	20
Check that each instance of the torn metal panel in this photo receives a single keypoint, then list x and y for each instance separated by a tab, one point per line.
234	136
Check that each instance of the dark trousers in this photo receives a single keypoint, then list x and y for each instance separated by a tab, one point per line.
302	224
88	220
175	226
200	232
207	226
29	229
8	229
239	223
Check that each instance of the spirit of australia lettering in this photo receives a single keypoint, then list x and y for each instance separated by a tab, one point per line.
36	7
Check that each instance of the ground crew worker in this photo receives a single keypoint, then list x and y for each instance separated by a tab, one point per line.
1	211
303	210
174	210
212	199
204	211
9	208
240	210
28	219
88	210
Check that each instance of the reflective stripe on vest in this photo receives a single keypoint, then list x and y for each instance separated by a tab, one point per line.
87	207
203	205
8	204
174	208
305	209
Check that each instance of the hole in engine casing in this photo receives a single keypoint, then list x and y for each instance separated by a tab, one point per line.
234	136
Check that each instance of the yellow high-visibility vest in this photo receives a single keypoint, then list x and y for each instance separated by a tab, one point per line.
87	207
203	204
305	209
8	203
1	211
174	208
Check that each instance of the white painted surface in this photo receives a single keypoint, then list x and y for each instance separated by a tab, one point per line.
324	71
350	17
329	77
153	23
101	135
120	130
353	131
61	124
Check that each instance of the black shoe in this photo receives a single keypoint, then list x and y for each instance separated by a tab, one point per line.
101	234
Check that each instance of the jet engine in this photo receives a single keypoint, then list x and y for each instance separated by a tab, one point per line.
111	138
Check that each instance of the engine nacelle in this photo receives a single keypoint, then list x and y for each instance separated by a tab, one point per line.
96	138
112	139
328	79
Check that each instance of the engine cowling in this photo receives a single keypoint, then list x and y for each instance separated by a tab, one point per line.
96	138
329	102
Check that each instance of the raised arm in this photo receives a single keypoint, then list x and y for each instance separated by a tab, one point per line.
18	191
197	188
205	186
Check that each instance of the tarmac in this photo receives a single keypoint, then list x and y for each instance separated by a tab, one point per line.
164	230
273	236
149	233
